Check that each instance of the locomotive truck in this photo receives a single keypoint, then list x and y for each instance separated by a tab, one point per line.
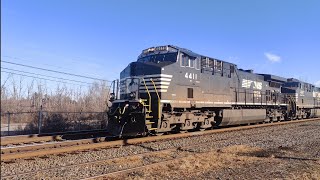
172	89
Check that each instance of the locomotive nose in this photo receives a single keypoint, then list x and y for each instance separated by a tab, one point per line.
126	118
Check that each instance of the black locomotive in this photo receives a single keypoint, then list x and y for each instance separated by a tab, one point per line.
174	89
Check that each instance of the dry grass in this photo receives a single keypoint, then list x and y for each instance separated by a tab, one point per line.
195	163
126	161
233	157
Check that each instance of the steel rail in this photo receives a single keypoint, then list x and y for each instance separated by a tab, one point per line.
80	146
45	137
42	146
24	139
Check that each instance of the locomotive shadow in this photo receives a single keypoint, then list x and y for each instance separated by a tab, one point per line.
282	152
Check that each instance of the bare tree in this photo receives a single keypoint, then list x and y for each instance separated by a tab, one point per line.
29	95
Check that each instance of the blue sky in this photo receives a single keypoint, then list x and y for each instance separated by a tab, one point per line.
100	37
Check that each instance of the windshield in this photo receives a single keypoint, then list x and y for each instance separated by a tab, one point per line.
157	58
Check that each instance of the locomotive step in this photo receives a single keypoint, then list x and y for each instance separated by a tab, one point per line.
151	129
148	123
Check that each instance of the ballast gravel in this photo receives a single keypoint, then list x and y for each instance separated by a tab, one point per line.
297	145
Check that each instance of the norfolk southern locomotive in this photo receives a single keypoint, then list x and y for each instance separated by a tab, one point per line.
174	89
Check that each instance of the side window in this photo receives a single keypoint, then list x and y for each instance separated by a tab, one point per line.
181	60
190	92
191	62
197	63
185	60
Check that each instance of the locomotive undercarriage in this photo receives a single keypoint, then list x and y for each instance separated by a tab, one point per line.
183	119
187	119
129	118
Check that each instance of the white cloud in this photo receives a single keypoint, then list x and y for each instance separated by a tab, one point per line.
317	83
272	57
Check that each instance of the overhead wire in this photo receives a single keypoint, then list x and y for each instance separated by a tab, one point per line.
49	70
45	75
54	71
41	78
45	64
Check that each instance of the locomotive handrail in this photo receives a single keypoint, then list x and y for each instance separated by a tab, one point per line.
145	85
155	88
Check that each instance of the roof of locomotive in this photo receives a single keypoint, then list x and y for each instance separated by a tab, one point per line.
184	50
193	54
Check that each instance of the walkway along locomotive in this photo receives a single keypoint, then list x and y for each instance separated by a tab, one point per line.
174	89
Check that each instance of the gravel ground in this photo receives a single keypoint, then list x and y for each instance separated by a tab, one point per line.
285	152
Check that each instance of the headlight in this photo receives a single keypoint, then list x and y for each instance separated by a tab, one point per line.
132	95
112	96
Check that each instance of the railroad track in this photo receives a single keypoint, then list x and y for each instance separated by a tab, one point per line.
124	164
26	139
12	153
136	161
173	155
40	138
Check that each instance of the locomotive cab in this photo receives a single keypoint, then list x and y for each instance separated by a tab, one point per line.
142	83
